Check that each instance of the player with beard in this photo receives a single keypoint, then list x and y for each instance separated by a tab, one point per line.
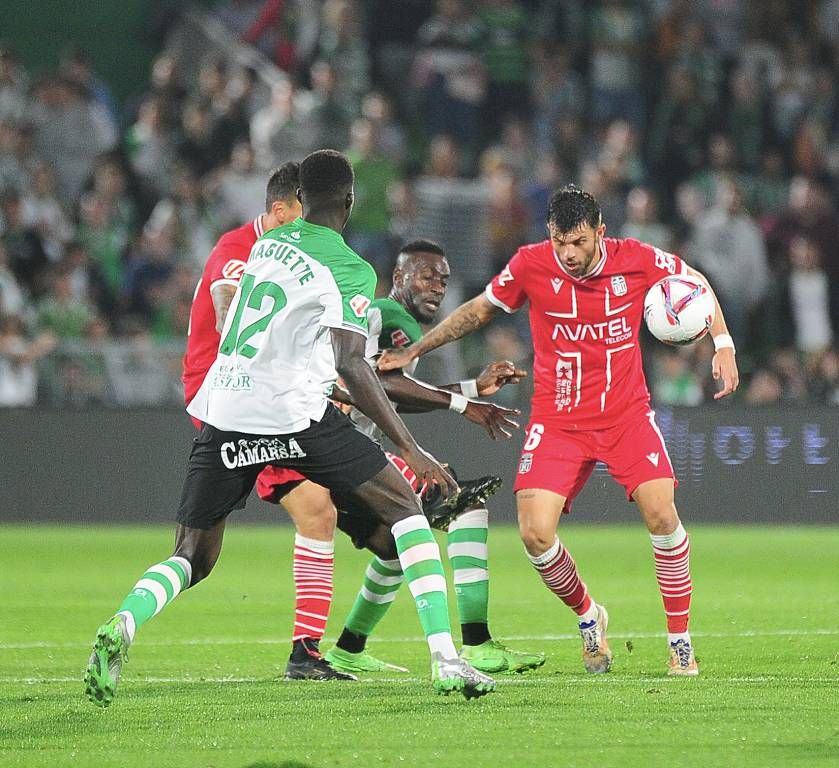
590	402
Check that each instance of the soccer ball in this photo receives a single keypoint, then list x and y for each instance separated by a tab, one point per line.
679	310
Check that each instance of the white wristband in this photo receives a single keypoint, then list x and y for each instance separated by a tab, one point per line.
469	388
458	403
723	341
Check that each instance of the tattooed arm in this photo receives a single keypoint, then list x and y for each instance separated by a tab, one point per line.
464	320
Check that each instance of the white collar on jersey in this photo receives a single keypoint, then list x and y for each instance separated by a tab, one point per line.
596	271
258	226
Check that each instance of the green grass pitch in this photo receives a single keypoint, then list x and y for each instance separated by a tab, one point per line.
202	689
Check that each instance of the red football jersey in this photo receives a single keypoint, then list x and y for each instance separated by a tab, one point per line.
587	370
224	266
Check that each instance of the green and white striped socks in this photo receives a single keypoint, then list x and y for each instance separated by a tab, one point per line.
381	583
467	550
158	587
419	556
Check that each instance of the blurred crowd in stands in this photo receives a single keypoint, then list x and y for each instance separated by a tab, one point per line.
706	127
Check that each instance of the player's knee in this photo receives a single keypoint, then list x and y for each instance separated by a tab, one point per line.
382	544
536	539
662	518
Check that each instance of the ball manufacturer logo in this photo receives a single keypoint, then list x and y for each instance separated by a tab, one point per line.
233	270
359	304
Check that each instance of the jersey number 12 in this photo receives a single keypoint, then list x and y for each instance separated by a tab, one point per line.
252	296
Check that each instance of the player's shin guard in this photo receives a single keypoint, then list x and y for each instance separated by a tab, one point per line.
158	587
672	571
420	560
559	572
312	569
467	550
381	583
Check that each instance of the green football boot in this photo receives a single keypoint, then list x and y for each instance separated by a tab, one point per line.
109	653
449	675
493	656
363	661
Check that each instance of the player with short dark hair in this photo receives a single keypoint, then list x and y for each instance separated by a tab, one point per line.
309	506
299	319
590	402
419	285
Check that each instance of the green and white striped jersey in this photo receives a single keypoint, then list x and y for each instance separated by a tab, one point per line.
275	365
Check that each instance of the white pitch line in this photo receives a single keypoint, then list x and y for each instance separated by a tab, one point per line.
502	681
418	639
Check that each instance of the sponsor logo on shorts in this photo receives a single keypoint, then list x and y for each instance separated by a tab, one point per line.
244	452
525	463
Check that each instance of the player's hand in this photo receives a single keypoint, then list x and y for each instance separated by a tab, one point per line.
497	375
493	418
429	471
724	366
392	359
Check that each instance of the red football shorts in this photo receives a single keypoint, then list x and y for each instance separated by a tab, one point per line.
561	460
275	482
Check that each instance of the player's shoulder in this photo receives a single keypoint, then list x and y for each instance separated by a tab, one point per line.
393	313
535	252
627	250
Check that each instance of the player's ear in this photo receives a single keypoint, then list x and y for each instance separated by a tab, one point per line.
397	278
349	200
299	195
601	230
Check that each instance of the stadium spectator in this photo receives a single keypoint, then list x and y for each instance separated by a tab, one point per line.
729	248
449	73
506	33
674	382
24	247
368	232
809	297
618	37
68	134
64	310
12	297
642	221
18	355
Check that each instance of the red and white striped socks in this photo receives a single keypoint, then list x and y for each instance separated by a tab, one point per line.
313	567
559	572
672	571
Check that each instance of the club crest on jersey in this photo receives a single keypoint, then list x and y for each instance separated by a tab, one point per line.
619	285
525	463
233	269
399	338
359	304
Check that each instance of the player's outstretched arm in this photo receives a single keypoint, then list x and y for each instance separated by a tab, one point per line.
367	393
492	378
415	396
724	362
467	318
